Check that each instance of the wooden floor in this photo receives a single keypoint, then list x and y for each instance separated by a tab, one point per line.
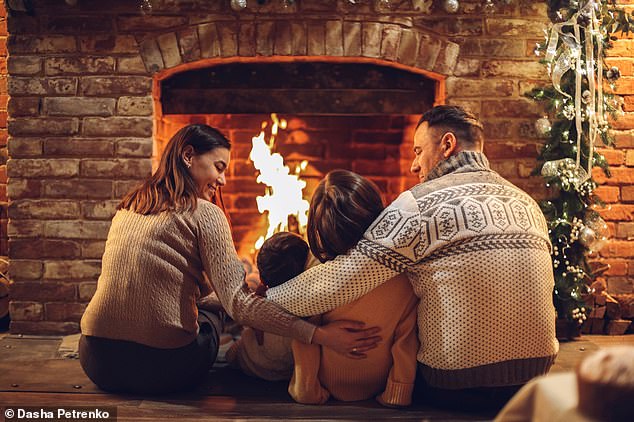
44	371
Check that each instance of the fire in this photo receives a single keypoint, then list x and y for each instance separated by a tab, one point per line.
283	197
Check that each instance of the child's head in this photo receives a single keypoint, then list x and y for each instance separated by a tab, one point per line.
282	257
341	210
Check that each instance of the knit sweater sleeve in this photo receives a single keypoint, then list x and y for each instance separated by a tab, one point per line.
400	382
226	273
304	386
383	253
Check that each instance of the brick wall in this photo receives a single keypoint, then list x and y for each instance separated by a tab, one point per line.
81	114
4	154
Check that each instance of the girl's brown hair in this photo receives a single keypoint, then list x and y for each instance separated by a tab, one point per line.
341	210
171	187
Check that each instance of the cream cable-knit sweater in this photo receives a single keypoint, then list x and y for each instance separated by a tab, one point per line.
152	276
477	252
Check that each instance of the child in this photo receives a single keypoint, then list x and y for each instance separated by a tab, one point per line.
342	208
265	355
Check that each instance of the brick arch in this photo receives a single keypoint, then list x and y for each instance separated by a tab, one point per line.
216	42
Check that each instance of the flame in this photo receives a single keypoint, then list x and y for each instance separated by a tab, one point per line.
283	196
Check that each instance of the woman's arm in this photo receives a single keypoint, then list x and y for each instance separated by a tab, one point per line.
386	250
226	273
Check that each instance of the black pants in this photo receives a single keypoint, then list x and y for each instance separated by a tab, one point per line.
127	367
482	399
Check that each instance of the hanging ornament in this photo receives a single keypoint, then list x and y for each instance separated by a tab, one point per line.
451	6
489	6
543	127
569	111
584	19
613	74
146	7
586	97
286	3
384	4
238	5
423	6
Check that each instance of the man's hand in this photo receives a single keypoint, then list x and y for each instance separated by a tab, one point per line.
349	338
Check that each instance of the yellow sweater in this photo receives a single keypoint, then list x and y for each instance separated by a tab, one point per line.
389	369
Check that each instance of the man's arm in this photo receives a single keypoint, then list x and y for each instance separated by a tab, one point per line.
386	250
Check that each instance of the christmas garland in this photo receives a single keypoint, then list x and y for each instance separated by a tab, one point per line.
574	52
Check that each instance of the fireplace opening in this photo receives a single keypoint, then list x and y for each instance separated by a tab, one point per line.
355	116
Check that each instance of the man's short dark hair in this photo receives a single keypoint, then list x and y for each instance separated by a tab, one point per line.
462	123
282	257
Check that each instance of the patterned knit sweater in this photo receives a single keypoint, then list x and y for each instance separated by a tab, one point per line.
152	275
477	253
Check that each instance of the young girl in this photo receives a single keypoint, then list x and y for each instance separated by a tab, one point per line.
342	208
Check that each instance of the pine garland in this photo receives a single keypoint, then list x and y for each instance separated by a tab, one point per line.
576	229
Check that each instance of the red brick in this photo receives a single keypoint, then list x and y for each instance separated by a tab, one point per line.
113	85
618	212
625	231
79	147
618	248
117	126
24	188
24	270
64	311
42	167
25	228
23	106
86	290
77	229
609	194
26	311
79	106
72	270
43	209
118	168
42	126
99	210
77	188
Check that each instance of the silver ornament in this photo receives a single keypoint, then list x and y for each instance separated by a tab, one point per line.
451	6
587	236
543	127
146	7
238	5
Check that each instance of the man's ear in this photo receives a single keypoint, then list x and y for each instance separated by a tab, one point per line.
448	144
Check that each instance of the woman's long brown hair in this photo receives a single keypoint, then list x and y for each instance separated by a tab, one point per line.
341	210
171	187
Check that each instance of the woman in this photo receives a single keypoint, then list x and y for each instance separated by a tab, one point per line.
142	330
341	210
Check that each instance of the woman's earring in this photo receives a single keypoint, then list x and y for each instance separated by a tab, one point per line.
187	164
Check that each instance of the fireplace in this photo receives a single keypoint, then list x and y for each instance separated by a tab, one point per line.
355	115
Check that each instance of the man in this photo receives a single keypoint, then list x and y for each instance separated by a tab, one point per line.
477	253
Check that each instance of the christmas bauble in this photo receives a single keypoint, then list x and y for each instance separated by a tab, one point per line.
238	5
451	6
543	126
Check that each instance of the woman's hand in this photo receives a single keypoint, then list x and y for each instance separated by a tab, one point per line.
349	338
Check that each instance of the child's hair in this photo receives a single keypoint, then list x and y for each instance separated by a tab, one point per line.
341	210
282	257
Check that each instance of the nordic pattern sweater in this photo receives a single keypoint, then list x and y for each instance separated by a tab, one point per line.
152	275
477	253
